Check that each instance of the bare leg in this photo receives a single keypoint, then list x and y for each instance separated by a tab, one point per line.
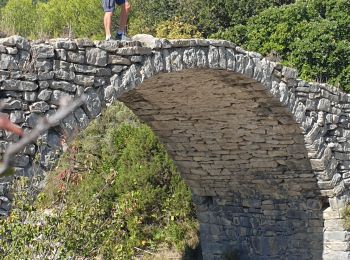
108	23
123	19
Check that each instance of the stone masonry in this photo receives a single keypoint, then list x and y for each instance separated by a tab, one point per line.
265	154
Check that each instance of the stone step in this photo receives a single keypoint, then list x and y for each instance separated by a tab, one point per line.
337	246
331	214
334	255
340	236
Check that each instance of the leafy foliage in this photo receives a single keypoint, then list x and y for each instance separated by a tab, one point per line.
311	36
19	16
175	29
124	196
53	18
208	16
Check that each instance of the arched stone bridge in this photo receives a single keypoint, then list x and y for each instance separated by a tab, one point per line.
265	154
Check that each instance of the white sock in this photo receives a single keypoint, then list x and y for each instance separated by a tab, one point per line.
108	37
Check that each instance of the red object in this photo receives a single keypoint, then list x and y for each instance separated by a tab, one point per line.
7	125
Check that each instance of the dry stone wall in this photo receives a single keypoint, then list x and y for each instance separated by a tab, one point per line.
265	154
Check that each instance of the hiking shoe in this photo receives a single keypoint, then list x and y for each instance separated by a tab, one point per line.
122	37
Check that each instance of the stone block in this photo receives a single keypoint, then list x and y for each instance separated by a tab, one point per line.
96	56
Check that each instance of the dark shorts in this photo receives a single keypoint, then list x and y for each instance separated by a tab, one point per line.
109	5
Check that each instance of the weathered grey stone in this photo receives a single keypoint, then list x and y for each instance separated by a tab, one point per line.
62	43
11	104
43	51
12	51
300	112
17	116
102	72
70	126
39	107
57	95
136	59
110	46
17	85
147	69
84	68
81	43
63	65
43	65
324	105
44	84
176	60
3	49
289	73
129	51
30	96
17	41
30	77
8	62
63	85
93	104
117	68
20	160
190	58
82	118
61	54
213	57
32	120
96	57
30	149
158	62
83	80
53	140
64	75
148	41
76	57
4	75
118	60
100	81
46	75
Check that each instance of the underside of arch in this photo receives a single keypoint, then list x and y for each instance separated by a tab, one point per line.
244	158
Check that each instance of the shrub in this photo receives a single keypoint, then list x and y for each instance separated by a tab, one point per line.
175	29
122	197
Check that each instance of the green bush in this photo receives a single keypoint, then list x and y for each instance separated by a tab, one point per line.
311	36
123	196
19	17
175	29
53	18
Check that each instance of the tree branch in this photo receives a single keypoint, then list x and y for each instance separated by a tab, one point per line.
44	124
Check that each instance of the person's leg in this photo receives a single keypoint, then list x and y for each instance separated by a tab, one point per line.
108	7
123	19
108	24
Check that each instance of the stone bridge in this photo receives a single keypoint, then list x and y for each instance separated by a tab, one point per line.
265	154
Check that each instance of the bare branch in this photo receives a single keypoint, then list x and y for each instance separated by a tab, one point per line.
44	124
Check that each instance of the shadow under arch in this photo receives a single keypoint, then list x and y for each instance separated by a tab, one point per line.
244	157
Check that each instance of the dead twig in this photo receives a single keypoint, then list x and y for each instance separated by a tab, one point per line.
44	124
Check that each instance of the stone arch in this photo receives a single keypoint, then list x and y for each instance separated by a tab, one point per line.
244	158
309	159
